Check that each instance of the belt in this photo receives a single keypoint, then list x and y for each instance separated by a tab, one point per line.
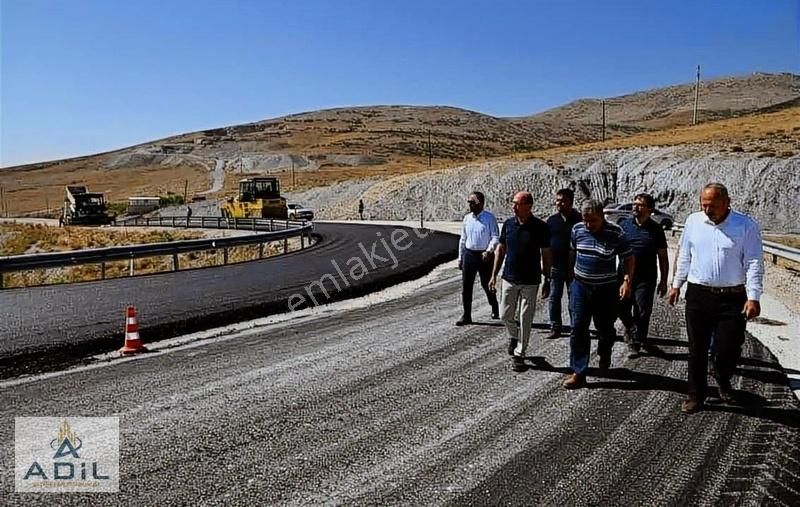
736	289
476	251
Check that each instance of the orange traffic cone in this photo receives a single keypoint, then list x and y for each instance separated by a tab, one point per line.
133	344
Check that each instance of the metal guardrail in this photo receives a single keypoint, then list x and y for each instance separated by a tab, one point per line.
265	231
775	250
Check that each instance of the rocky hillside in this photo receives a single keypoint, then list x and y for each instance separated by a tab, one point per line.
766	187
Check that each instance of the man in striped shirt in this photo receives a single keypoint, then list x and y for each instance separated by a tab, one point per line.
595	246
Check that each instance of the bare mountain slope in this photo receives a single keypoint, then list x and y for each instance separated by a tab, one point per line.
333	145
671	106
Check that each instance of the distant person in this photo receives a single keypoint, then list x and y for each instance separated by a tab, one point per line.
648	243
594	293
721	257
188	214
361	209
525	246
479	237
560	226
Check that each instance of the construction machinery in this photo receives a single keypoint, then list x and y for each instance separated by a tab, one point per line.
84	207
258	198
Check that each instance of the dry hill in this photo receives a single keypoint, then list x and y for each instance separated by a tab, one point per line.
346	143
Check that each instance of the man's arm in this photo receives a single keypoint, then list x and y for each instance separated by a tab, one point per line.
682	264
462	243
754	275
628	266
547	262
494	230
499	254
571	266
663	266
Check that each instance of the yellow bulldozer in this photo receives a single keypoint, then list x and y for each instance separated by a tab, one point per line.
258	198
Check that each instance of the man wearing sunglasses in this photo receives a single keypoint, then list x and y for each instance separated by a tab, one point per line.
479	237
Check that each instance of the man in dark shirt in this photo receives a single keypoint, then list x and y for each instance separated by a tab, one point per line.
525	246
560	227
648	242
594	292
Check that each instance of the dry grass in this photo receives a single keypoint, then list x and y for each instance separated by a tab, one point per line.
39	189
16	239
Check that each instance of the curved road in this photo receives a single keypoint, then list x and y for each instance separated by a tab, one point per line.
47	327
390	404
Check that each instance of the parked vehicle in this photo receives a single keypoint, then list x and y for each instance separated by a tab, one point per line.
616	212
297	211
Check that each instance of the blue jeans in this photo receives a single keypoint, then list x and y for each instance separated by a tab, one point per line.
587	302
558	278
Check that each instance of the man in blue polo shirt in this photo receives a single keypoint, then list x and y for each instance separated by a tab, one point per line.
648	242
560	225
525	246
594	292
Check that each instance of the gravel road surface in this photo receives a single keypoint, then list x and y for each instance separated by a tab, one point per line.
390	404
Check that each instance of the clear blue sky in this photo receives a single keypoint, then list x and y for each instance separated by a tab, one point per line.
84	76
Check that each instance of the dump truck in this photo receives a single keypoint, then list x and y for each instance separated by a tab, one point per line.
85	208
258	198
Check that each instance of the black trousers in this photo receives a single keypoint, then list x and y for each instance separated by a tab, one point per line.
473	264
720	316
635	311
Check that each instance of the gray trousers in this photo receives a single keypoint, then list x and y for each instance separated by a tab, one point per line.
524	295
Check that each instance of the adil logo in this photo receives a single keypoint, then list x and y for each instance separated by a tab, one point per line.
83	456
66	437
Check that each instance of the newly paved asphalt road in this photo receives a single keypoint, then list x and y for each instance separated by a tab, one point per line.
48	327
392	405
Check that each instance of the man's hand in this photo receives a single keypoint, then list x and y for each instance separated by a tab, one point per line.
625	289
493	284
486	256
662	288
546	288
752	309
460	265
673	295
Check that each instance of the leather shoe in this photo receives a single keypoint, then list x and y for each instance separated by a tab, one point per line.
554	333
518	364
463	321
512	346
726	392
495	315
691	405
574	381
633	350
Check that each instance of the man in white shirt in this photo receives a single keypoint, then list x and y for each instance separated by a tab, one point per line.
721	257
479	237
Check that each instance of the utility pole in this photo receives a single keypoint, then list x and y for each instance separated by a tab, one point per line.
430	149
696	94
185	191
603	103
293	180
3	202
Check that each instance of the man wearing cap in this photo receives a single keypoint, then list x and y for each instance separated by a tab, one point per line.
720	257
479	237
